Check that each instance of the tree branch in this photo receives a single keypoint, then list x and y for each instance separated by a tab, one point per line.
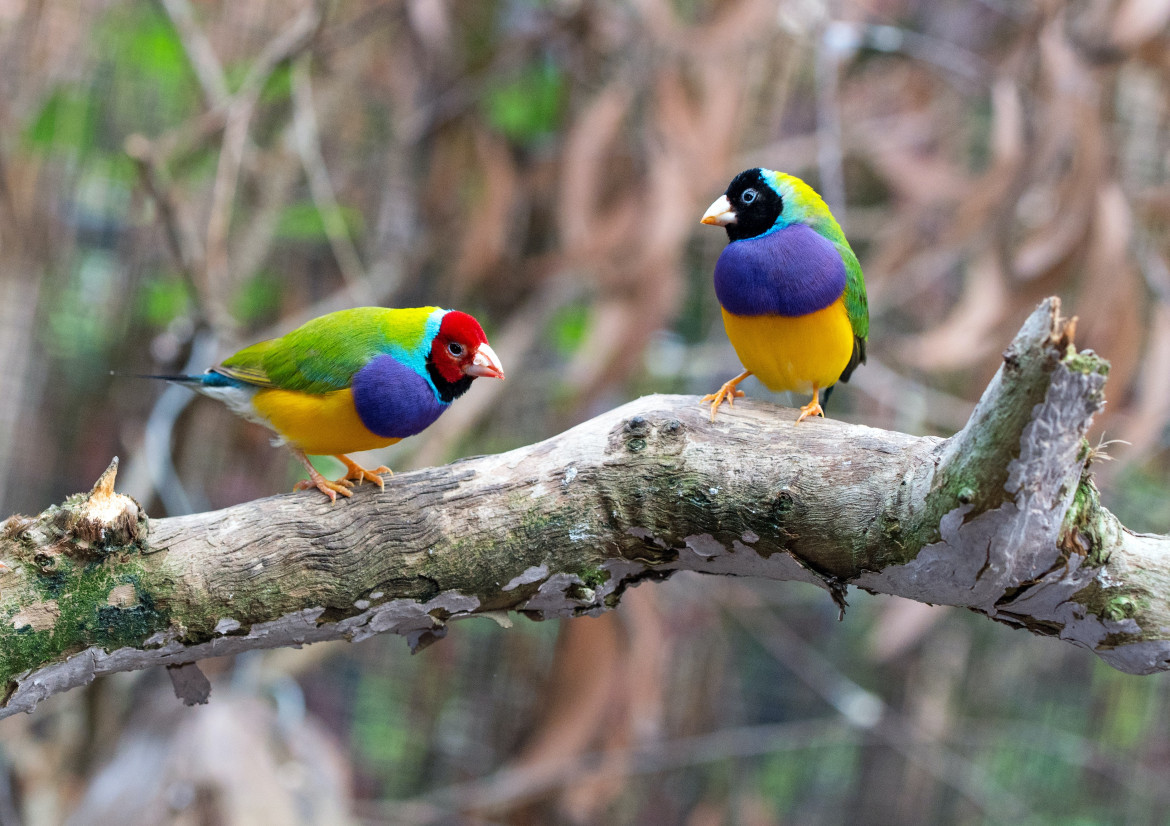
1001	518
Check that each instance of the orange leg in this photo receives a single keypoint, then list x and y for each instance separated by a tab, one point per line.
316	480
813	408
727	391
359	474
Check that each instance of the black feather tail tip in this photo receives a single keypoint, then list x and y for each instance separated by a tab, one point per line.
159	377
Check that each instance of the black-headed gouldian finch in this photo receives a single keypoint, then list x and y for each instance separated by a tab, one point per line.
791	289
353	380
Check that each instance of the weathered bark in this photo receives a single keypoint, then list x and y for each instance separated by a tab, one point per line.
1001	518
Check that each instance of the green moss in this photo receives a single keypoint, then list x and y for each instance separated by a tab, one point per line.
892	533
85	618
1086	362
22	649
1120	607
1082	530
1114	603
593	577
115	627
51	583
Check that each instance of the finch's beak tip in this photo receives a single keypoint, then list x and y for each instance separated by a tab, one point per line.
719	214
486	364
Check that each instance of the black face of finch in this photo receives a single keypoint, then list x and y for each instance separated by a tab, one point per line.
756	205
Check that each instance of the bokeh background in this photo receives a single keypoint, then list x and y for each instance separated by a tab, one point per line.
180	178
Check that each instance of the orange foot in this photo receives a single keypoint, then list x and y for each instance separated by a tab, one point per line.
316	480
813	408
330	489
728	391
359	474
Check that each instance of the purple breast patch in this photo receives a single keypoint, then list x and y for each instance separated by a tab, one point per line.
393	400
790	272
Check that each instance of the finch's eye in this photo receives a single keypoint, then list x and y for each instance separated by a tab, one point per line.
455	349
748	196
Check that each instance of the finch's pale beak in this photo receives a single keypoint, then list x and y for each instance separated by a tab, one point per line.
719	214
486	364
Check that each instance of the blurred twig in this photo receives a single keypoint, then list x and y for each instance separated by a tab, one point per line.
205	64
308	142
866	711
511	788
183	241
288	44
1126	770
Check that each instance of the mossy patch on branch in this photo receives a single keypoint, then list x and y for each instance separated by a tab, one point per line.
81	582
81	616
1082	530
1086	361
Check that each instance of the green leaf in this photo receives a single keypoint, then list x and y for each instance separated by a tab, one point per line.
302	222
66	121
567	328
528	106
151	84
154	47
278	87
256	298
163	299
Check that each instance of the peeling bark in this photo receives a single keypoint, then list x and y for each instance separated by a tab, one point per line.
1001	518
191	685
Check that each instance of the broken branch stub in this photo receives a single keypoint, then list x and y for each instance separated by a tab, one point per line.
1001	518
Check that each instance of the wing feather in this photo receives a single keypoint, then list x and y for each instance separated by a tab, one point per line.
323	355
856	308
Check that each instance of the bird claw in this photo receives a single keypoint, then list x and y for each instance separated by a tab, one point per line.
354	474
726	392
330	489
813	408
359	474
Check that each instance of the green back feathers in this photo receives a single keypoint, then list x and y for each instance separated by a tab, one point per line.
856	302
803	205
323	355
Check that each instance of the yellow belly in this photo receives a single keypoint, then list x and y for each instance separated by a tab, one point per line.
793	353
321	425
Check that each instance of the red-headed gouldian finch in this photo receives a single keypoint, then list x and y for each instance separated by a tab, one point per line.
791	289
353	380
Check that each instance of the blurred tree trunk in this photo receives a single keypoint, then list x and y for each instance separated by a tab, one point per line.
1001	518
18	300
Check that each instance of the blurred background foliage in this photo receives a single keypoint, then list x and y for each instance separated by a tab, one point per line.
178	179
